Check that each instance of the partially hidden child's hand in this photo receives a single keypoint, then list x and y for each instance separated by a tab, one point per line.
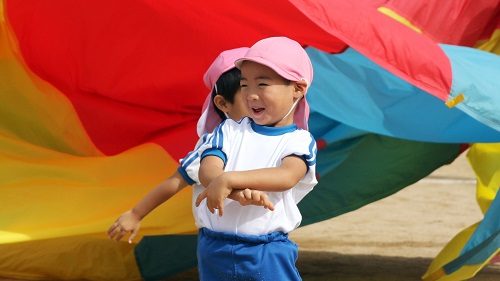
127	222
215	194
254	197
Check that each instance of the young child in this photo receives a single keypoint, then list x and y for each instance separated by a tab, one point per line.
224	101
271	151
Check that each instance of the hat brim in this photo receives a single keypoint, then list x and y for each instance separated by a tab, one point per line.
269	64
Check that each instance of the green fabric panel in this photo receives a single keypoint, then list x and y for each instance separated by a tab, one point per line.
159	257
361	170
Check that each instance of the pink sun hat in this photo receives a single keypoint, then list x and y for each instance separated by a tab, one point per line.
224	62
287	58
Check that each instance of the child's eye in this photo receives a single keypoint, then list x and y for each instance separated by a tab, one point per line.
263	84
243	85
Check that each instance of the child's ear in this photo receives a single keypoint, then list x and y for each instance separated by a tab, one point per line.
300	88
220	102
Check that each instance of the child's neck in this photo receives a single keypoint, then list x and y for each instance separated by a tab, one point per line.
281	123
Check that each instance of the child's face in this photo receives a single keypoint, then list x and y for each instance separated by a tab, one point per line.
267	96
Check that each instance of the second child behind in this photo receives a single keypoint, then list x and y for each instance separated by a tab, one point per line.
223	101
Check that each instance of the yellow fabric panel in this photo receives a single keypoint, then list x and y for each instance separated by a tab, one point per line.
390	13
49	194
82	258
450	252
464	273
50	198
485	161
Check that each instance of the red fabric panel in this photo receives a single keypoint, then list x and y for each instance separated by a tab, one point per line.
392	45
457	22
493	25
133	69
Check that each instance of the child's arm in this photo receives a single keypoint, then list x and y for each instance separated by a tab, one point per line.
131	219
210	168
281	178
284	177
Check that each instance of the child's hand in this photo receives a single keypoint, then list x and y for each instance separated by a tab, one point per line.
215	193
254	197
127	222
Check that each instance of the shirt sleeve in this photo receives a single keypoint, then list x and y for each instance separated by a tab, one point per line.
216	142
191	163
304	146
209	144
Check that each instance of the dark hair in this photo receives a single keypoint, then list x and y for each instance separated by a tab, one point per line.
227	86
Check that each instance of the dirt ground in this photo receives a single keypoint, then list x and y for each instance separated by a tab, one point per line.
394	239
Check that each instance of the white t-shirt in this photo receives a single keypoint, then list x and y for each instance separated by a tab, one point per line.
245	145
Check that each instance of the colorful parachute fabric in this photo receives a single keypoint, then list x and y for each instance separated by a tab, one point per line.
474	247
99	100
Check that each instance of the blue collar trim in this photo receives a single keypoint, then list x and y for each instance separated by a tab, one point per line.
272	131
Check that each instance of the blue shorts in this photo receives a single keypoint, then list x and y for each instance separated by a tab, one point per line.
228	256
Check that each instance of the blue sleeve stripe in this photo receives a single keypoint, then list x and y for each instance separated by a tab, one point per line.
189	159
185	175
311	158
214	152
203	140
208	139
218	138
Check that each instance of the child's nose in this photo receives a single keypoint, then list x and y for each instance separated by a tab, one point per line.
251	95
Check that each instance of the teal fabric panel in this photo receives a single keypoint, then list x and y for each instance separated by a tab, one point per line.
361	170
159	257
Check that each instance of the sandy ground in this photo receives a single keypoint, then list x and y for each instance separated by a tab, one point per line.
394	239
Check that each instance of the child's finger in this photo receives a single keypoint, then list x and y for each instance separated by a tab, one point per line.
247	194
221	210
241	196
271	206
219	203
210	206
264	200
200	197
114	232
242	199
111	228
268	204
133	233
256	196
120	235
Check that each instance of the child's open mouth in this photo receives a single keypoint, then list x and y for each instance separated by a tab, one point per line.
257	110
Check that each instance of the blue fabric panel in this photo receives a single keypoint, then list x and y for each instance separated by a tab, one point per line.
489	227
476	75
349	88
